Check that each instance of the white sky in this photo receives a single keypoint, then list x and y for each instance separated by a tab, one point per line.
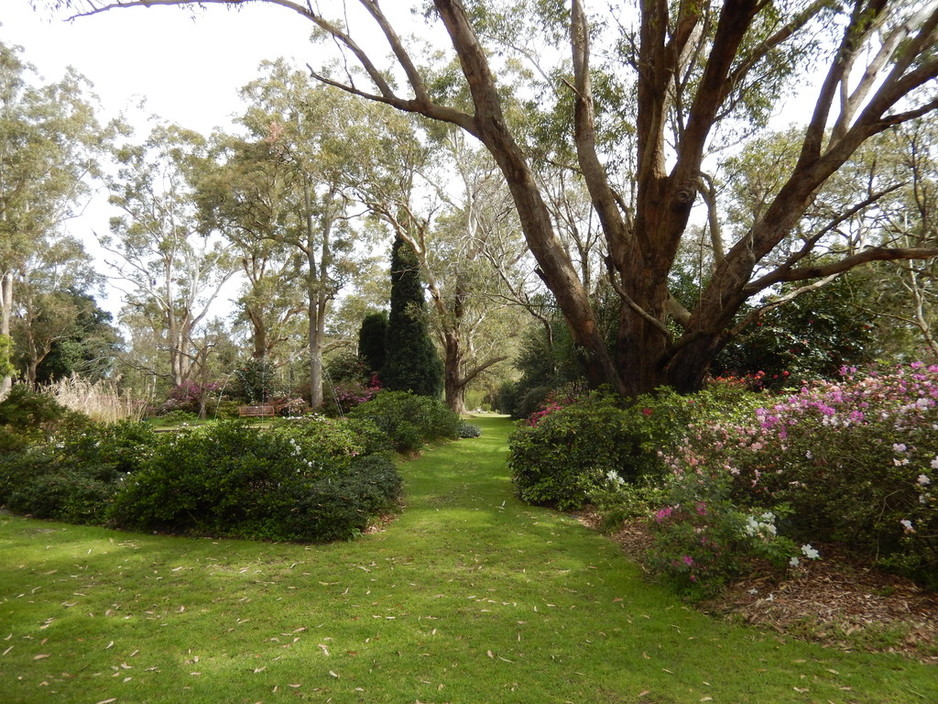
189	70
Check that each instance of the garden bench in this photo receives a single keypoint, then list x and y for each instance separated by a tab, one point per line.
262	411
271	409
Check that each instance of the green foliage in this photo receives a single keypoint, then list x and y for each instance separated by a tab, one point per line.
809	338
293	482
411	360
468	430
371	341
547	362
702	539
255	381
28	417
6	356
409	420
89	348
563	456
74	478
855	463
307	479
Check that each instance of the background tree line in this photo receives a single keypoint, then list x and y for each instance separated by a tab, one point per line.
633	218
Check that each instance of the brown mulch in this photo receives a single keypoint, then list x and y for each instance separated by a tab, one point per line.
837	601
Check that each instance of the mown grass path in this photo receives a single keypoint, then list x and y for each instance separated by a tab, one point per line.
469	596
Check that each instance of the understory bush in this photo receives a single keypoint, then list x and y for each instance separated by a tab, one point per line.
576	451
74	478
468	430
853	463
409	420
28	417
306	479
229	479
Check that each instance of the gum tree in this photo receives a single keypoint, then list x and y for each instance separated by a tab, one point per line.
702	74
49	143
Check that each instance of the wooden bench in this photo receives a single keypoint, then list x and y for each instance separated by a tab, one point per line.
271	409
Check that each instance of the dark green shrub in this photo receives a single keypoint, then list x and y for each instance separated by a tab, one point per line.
342	507
371	340
409	420
74	478
566	453
27	417
337	440
301	480
469	430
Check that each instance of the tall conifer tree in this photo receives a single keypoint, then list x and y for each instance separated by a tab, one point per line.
411	361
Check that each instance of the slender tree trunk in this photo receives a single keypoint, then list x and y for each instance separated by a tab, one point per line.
6	313
316	333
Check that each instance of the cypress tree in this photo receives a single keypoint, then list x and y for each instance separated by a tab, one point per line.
411	361
371	338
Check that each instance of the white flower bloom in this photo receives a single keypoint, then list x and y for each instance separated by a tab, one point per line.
923	480
794	562
907	525
899	447
810	552
934	463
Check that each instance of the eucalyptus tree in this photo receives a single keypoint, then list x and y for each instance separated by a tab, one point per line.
47	308
172	270
49	144
703	74
244	196
291	197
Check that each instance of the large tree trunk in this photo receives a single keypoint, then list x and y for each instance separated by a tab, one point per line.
454	388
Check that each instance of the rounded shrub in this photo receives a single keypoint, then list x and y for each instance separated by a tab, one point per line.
297	481
856	462
74	478
564	454
469	430
409	420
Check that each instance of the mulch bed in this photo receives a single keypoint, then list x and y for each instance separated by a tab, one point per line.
837	601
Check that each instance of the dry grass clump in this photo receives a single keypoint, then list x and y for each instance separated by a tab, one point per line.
101	400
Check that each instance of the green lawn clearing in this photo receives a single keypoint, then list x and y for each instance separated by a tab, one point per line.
469	596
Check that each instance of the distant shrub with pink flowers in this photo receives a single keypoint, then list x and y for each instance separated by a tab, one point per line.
854	462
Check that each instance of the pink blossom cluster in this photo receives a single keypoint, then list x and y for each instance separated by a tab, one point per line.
877	428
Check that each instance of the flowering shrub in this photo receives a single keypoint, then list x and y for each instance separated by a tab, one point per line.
702	539
351	395
855	461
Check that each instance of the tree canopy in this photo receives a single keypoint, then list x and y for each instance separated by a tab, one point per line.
643	108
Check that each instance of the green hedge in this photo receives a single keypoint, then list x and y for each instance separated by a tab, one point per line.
307	480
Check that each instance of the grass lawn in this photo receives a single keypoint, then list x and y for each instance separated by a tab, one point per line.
469	597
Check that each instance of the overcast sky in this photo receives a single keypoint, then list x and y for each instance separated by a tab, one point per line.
189	70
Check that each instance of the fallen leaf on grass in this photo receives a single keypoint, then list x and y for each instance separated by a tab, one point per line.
108	701
332	674
41	657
